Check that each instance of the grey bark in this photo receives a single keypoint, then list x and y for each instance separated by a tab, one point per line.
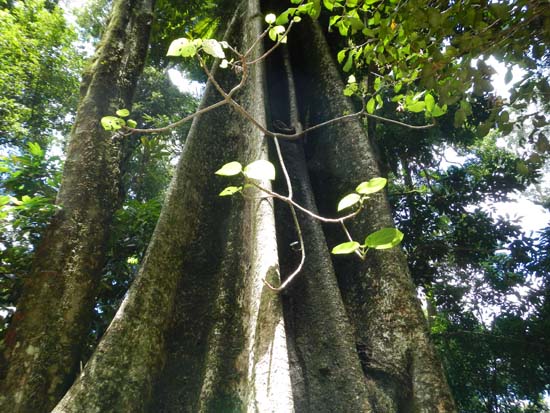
43	343
402	371
198	330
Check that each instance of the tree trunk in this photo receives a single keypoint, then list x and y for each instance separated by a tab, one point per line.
198	330
53	315
401	368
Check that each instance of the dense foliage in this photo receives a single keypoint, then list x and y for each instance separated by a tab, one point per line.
39	82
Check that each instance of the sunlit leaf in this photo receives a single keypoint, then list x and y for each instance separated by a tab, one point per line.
346	247
230	169
260	170
112	123
429	101
182	47
231	190
384	238
123	113
270	18
348	200
35	149
439	111
213	48
416	107
371	105
372	186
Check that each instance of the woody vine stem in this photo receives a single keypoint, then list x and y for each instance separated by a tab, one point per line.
261	171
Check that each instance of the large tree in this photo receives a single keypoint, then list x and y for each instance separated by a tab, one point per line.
200	331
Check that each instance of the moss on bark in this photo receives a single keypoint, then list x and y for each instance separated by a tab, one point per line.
53	315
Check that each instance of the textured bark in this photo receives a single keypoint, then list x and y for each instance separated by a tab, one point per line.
401	368
198	330
53	315
326	372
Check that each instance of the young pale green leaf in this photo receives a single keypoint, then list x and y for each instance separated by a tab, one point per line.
384	238
348	200
131	123
270	18
112	123
329	4
276	32
372	186
260	170
213	48
182	47
231	190
123	113
430	102
346	247
230	169
341	55
371	105
224	64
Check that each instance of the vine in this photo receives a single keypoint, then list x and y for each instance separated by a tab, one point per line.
260	171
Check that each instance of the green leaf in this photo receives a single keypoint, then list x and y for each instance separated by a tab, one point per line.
348	201
260	170
377	83
429	101
35	149
231	190
341	55
123	113
329	4
372	186
416	107
213	48
371	105
131	123
112	123
384	238
349	63
182	47
439	111
276	32
460	118
230	169
270	18
4	199
346	247
508	76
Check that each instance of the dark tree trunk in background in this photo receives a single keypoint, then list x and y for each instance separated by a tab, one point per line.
53	316
199	331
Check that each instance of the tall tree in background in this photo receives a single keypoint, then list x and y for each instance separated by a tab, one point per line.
44	341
